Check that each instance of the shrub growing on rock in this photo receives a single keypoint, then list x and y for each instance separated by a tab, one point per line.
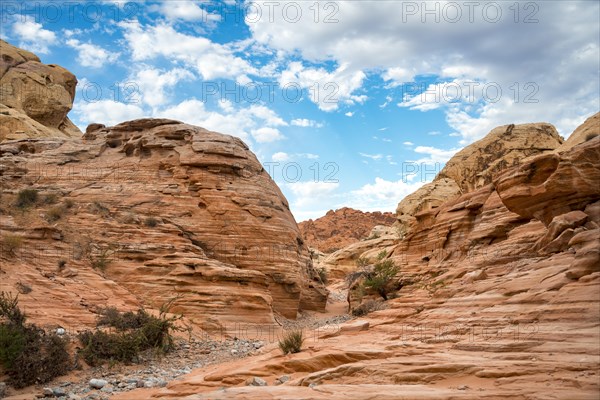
380	280
291	342
26	198
27	353
135	332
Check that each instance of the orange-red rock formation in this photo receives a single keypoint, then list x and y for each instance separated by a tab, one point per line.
340	228
170	209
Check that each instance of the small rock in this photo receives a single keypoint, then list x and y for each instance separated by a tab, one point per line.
148	384
48	392
312	385
2	389
98	383
463	387
59	392
162	383
60	331
107	389
258	345
234	352
256	381
284	378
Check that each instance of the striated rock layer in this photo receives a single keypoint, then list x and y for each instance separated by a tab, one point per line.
146	211
339	228
494	304
34	97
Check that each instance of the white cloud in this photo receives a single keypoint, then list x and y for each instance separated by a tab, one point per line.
266	135
309	192
374	157
91	55
434	155
349	114
397	76
108	112
326	89
187	11
408	143
33	36
382	38
280	157
153	83
211	60
306	123
382	195
243	122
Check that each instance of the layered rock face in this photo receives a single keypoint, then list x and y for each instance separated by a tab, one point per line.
474	166
34	97
172	209
495	303
340	228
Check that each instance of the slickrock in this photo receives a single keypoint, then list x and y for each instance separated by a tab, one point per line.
340	228
483	312
146	211
474	166
34	97
553	184
586	131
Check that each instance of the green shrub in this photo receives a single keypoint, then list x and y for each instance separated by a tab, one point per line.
135	332
101	260
362	262
69	203
381	278
323	275
382	254
27	353
291	342
54	213
61	264
10	243
151	222
26	198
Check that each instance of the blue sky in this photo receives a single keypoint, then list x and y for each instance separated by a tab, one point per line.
345	103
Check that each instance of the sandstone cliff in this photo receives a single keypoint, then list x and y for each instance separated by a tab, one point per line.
34	97
474	166
178	210
138	213
499	299
339	228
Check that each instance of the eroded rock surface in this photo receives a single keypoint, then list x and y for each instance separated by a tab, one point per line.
156	209
337	229
485	310
34	97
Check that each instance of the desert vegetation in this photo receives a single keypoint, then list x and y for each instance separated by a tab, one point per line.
28	354
291	342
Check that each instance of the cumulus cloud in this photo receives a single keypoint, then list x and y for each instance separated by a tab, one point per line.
33	36
187	11
326	89
108	112
309	193
306	123
256	121
154	83
211	60
385	38
381	195
91	55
